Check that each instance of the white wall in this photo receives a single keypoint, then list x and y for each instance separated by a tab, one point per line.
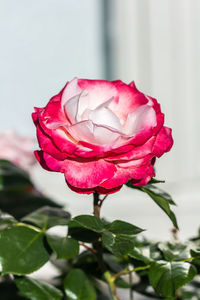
157	44
44	43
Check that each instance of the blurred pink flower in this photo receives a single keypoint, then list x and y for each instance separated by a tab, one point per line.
17	149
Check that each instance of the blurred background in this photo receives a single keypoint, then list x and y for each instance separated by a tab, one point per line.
155	43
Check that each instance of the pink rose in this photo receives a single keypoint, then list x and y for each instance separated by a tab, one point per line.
18	149
101	134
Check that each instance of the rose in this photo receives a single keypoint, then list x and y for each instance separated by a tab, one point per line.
18	149
101	134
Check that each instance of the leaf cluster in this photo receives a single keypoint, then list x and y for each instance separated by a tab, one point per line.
94	255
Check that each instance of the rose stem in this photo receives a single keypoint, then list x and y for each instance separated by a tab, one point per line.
97	203
131	283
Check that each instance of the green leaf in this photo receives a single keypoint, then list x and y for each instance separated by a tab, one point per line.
174	251
80	233
47	217
78	287
167	277
108	240
12	176
155	181
138	253
162	199
89	222
146	253
20	202
37	290
121	227
22	250
122	246
64	247
118	245
158	193
195	253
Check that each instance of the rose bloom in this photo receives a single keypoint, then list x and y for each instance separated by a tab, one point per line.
17	149
101	134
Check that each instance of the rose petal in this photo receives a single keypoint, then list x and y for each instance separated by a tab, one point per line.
135	153
71	108
98	189
134	163
52	115
105	135
92	133
128	100
48	162
104	116
88	174
163	143
82	130
71	89
46	144
99	91
142	118
122	175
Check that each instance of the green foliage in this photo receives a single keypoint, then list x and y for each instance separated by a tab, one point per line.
37	290
111	248
160	197
18	197
12	176
117	244
168	277
85	228
174	251
47	217
64	247
78	287
22	250
20	202
121	227
89	222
